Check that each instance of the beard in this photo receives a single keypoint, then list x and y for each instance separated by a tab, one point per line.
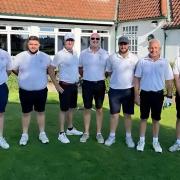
32	52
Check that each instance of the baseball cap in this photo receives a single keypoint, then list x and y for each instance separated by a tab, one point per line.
69	35
123	39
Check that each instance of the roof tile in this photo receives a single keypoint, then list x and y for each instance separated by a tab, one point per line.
77	9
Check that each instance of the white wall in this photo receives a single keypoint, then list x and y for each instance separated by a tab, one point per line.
172	44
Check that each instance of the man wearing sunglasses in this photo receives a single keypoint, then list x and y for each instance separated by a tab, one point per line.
92	69
121	67
67	63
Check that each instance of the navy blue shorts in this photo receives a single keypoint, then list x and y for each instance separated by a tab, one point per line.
93	90
177	99
68	99
124	97
3	97
151	101
33	100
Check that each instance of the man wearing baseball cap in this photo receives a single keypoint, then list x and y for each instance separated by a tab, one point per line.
121	67
67	63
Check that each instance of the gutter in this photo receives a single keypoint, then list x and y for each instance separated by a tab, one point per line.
57	20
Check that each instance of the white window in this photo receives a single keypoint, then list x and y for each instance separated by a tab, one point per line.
131	33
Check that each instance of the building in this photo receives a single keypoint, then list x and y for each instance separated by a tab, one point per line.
140	20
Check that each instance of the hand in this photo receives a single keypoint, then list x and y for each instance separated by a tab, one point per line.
167	102
137	100
59	88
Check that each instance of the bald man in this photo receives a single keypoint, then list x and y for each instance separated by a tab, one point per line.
92	69
151	75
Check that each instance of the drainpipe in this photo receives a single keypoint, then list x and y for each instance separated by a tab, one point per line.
116	21
164	49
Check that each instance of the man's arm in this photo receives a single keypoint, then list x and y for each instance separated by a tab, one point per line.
136	82
52	75
169	87
177	83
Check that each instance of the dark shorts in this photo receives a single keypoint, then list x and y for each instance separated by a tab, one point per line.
151	101
124	97
68	99
3	97
177	99
33	100
93	90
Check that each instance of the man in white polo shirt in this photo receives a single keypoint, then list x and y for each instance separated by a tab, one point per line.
31	67
5	70
151	75
92	68
176	71
121	67
67	63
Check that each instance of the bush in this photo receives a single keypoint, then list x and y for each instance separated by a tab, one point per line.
12	83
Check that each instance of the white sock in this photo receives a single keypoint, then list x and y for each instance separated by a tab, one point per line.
155	139
128	135
142	139
98	134
112	134
178	141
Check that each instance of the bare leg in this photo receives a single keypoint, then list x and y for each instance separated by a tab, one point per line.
99	119
87	119
25	122
41	121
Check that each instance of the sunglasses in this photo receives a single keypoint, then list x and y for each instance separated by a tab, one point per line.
95	38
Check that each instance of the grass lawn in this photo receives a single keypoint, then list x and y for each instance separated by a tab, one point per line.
89	161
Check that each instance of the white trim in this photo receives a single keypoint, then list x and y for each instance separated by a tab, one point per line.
57	20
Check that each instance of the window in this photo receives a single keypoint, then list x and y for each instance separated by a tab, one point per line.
64	30
2	27
86	31
131	33
85	41
3	41
18	43
20	28
48	29
47	44
60	42
104	43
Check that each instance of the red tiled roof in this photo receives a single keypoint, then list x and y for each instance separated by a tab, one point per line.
72	9
175	15
139	9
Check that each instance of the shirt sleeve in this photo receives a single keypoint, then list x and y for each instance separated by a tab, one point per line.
16	62
56	61
168	72
9	63
138	70
80	60
109	65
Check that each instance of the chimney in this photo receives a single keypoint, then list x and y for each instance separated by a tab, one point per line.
164	7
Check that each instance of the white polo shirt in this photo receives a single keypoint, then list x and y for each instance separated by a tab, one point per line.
94	64
153	73
32	70
5	64
176	68
67	64
122	70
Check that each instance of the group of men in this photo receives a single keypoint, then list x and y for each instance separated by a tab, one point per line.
131	81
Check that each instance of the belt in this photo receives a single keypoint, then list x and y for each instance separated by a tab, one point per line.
94	81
